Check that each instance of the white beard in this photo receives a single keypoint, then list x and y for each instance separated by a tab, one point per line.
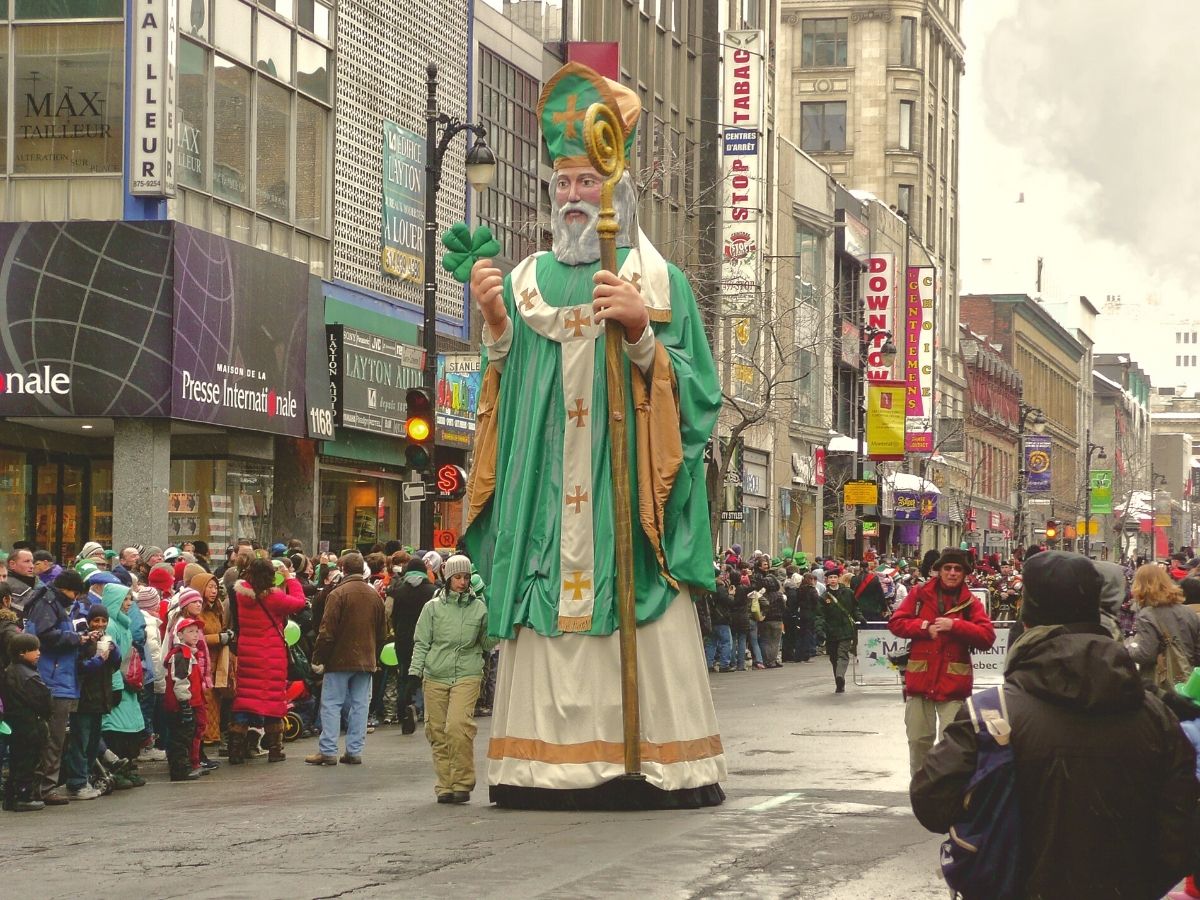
578	243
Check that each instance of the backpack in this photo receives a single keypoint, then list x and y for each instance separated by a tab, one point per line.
1172	666
981	858
133	671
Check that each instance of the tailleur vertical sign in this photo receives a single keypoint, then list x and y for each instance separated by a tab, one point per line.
877	312
151	162
741	162
918	359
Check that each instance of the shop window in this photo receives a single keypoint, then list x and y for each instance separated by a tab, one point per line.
14	494
273	136
219	501
192	146
358	511
231	123
68	85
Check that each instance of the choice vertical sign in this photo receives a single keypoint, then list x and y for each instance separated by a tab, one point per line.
151	162
741	163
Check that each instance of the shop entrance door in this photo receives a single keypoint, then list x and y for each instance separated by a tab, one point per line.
58	506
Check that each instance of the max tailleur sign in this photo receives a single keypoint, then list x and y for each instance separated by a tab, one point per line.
741	168
151	159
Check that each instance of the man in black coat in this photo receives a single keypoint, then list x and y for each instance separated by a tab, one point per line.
1105	777
410	592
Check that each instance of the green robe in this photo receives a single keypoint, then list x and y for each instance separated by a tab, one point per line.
515	538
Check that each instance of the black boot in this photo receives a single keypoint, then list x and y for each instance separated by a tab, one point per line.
273	741
237	744
841	684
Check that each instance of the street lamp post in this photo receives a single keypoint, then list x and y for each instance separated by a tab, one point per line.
1087	497
887	356
1036	420
481	168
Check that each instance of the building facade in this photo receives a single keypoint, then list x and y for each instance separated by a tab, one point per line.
1121	424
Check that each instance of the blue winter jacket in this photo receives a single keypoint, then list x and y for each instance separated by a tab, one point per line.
48	618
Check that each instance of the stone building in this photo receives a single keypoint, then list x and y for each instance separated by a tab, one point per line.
1121	424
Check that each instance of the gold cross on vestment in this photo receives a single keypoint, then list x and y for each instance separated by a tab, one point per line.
527	297
578	498
577	585
576	321
635	279
570	115
579	413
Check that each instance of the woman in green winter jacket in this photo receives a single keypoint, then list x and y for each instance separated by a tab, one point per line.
839	611
123	727
449	644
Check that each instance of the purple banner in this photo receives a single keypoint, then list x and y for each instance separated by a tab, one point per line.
905	506
1037	463
241	318
907	533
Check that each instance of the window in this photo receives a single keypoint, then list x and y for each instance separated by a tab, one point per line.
68	86
508	107
906	124
908	41
312	143
904	199
823	126
232	29
69	9
808	265
823	42
272	136
231	123
192	148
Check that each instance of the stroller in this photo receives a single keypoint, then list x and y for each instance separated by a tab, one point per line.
301	720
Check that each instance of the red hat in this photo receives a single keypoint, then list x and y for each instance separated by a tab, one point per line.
161	578
188	623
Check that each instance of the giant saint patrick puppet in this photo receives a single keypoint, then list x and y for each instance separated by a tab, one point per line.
599	393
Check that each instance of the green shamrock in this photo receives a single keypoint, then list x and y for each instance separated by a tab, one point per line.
465	248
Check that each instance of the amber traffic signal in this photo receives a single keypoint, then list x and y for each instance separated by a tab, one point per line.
418	429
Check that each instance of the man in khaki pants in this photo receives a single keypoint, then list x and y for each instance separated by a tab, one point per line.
450	643
944	622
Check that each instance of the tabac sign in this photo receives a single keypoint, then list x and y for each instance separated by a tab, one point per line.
151	162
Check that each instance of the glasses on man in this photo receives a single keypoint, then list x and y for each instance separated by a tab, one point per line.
952	568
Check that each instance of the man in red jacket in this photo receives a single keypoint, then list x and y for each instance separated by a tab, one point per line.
944	622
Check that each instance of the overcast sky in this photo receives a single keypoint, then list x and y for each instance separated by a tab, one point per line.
1088	109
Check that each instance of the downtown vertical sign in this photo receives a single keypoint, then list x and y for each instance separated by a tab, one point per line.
743	73
918	358
878	290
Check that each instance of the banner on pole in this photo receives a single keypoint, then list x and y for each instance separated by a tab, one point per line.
885	420
1101	484
1037	463
878	287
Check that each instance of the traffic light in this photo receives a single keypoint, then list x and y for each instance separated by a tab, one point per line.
451	482
1051	529
418	428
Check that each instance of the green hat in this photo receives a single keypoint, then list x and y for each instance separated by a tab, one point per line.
110	554
477	582
787	553
86	568
1191	687
3	556
564	103
802	558
775	561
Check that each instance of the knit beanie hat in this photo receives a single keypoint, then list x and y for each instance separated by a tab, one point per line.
162	577
433	561
22	643
69	580
97	611
91	550
151	551
186	596
147	599
456	565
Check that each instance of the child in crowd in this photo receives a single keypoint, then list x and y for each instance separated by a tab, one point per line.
99	658
184	698
27	712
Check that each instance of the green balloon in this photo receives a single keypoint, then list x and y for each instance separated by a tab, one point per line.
279	579
4	729
291	633
387	655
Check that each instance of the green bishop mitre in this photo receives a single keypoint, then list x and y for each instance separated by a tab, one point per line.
564	104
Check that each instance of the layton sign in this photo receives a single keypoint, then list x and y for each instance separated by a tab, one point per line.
153	102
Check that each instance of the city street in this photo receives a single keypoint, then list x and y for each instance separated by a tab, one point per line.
817	808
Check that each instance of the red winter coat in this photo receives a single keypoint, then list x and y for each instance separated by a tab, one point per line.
261	653
939	667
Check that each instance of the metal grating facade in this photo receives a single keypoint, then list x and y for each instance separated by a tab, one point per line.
383	49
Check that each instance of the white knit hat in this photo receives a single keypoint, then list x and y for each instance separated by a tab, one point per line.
456	565
432	560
